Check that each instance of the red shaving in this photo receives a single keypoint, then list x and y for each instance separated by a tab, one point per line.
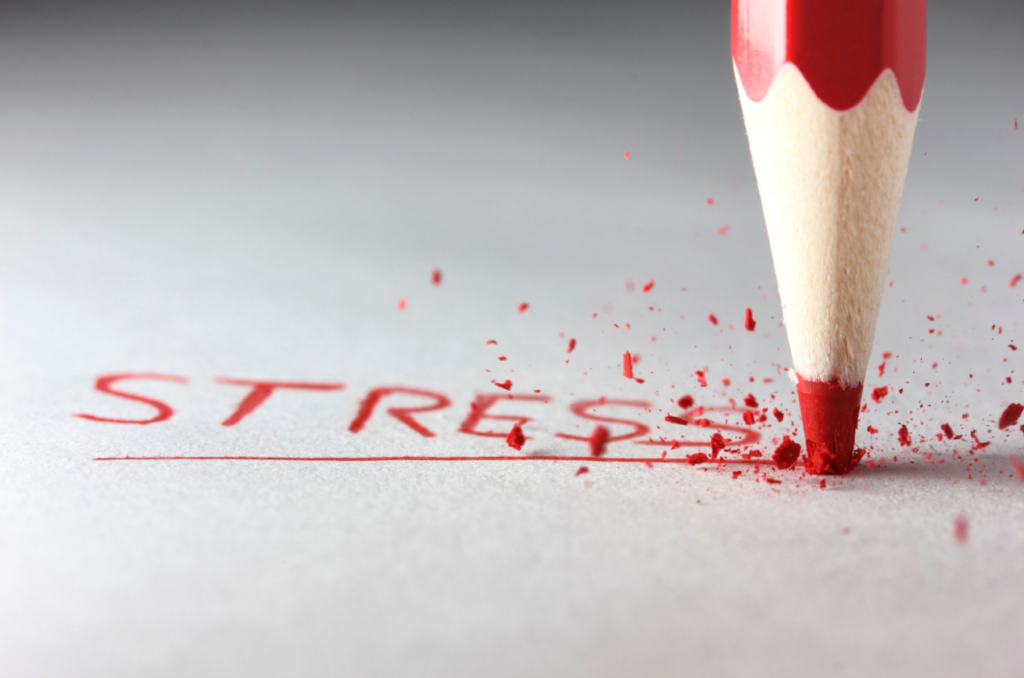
712	319
696	458
1015	279
750	400
1019	466
401	304
786	454
1010	415
581	470
507	384
948	431
748	320
649	286
879	393
779	416
685	402
717	445
702	378
960	529
435	276
627	365
523	306
572	345
904	436
516	438
597	440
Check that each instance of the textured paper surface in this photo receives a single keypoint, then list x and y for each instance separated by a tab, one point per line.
253	203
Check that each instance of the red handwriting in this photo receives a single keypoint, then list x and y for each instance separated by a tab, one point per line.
104	384
402	414
478	411
261	390
487	406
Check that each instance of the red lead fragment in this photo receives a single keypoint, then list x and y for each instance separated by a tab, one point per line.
649	286
748	320
686	402
750	400
1010	415
516	438
786	453
572	345
712	319
948	431
597	441
702	378
627	365
904	436
435	276
581	470
507	384
402	304
523	306
696	458
879	393
777	413
717	445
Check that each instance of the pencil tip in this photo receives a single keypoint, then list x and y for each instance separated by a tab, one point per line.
829	411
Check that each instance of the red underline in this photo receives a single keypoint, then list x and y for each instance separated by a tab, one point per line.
545	457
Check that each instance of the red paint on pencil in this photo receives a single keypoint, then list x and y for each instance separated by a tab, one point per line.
841	48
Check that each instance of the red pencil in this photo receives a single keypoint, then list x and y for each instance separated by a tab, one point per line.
830	92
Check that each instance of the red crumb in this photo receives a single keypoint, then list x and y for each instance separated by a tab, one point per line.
649	286
572	345
401	304
1010	415
948	431
777	413
712	319
749	417
904	436
722	230
523	306
786	454
822	484
516	438
1018	465
748	320
750	400
597	440
960	529
702	378
717	445
581	470
626	155
711	201
1015	279
627	365
696	458
507	384
685	402
435	276
492	342
879	393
